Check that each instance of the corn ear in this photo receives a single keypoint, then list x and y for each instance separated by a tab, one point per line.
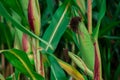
35	23
25	43
71	70
80	63
86	46
34	16
27	47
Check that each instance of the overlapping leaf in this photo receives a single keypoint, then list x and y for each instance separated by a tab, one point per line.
57	27
56	71
71	70
21	62
100	16
5	14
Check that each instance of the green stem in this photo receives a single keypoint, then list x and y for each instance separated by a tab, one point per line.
38	57
97	68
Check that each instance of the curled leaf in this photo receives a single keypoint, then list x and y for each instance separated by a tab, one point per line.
71	70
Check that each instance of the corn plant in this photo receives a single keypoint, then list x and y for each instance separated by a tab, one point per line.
59	39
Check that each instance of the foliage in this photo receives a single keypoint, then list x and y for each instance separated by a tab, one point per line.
50	40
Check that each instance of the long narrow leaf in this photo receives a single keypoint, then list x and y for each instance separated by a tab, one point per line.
24	4
100	16
107	28
117	73
57	72
6	15
57	27
20	61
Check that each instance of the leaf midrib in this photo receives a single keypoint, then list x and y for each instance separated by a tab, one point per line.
57	26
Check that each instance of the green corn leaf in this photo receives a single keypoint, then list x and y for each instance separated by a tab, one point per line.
5	14
18	35
68	34
117	73
57	27
100	16
20	61
108	27
112	37
24	5
48	12
14	5
50	8
117	12
56	71
17	74
5	35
